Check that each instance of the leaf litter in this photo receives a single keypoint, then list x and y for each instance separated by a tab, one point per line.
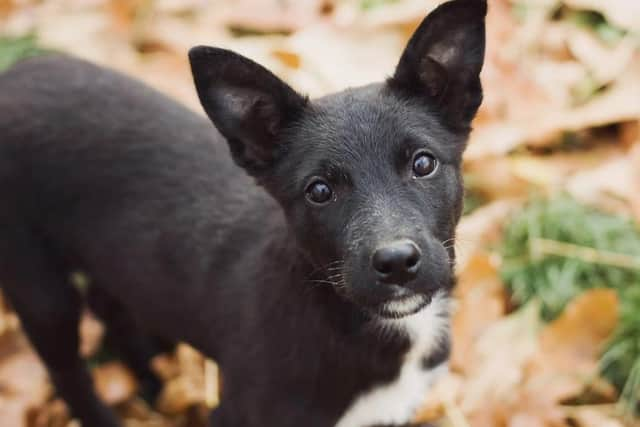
546	333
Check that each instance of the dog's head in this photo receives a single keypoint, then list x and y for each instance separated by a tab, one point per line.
369	178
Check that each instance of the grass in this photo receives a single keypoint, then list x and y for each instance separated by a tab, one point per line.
374	4
621	361
555	249
596	22
12	49
590	20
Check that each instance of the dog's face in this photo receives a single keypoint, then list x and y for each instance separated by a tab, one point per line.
369	178
372	189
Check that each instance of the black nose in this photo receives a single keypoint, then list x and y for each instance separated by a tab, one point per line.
397	262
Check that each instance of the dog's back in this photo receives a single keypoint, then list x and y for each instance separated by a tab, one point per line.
65	118
109	176
103	174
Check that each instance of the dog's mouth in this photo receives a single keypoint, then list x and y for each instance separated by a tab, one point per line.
403	306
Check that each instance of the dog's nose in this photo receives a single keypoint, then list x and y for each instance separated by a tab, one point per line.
397	262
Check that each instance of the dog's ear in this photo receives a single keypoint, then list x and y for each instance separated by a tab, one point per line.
247	103
443	60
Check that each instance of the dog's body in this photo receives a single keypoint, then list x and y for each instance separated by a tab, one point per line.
274	281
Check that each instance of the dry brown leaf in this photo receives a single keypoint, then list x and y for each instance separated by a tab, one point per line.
480	297
448	389
273	15
349	13
23	380
481	228
583	328
83	31
168	73
188	388
501	74
165	366
177	34
8	320
6	7
51	414
123	13
91	332
501	180
614	184
570	347
179	6
516	373
553	172
502	353
527	420
114	382
290	59
630	133
179	394
617	104
136	413
605	63
593	417
557	80
364	56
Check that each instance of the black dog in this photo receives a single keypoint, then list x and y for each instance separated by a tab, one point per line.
318	281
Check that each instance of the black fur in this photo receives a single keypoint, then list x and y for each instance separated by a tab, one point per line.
99	173
437	357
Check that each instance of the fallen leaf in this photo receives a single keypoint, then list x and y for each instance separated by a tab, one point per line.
583	328
502	353
592	417
601	185
273	15
114	382
605	63
91	332
179	394
23	381
481	228
480	302
290	59
619	103
394	13
51	414
188	388
571	346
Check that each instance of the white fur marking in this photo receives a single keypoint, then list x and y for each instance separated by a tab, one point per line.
396	402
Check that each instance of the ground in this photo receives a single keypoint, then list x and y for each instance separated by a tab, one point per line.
546	331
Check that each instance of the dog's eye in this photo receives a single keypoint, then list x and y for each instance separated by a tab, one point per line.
424	164
319	192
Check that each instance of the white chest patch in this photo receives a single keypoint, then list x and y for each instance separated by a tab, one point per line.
396	402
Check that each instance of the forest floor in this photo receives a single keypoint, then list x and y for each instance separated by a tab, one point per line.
547	318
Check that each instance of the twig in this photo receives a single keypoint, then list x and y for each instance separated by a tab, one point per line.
540	247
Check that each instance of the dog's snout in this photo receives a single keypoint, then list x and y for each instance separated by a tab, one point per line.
397	262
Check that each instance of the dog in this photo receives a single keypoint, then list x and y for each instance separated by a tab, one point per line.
305	245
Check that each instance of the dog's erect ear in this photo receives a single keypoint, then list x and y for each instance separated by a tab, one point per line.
246	102
443	60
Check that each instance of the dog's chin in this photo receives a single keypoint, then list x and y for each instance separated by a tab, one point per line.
398	308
